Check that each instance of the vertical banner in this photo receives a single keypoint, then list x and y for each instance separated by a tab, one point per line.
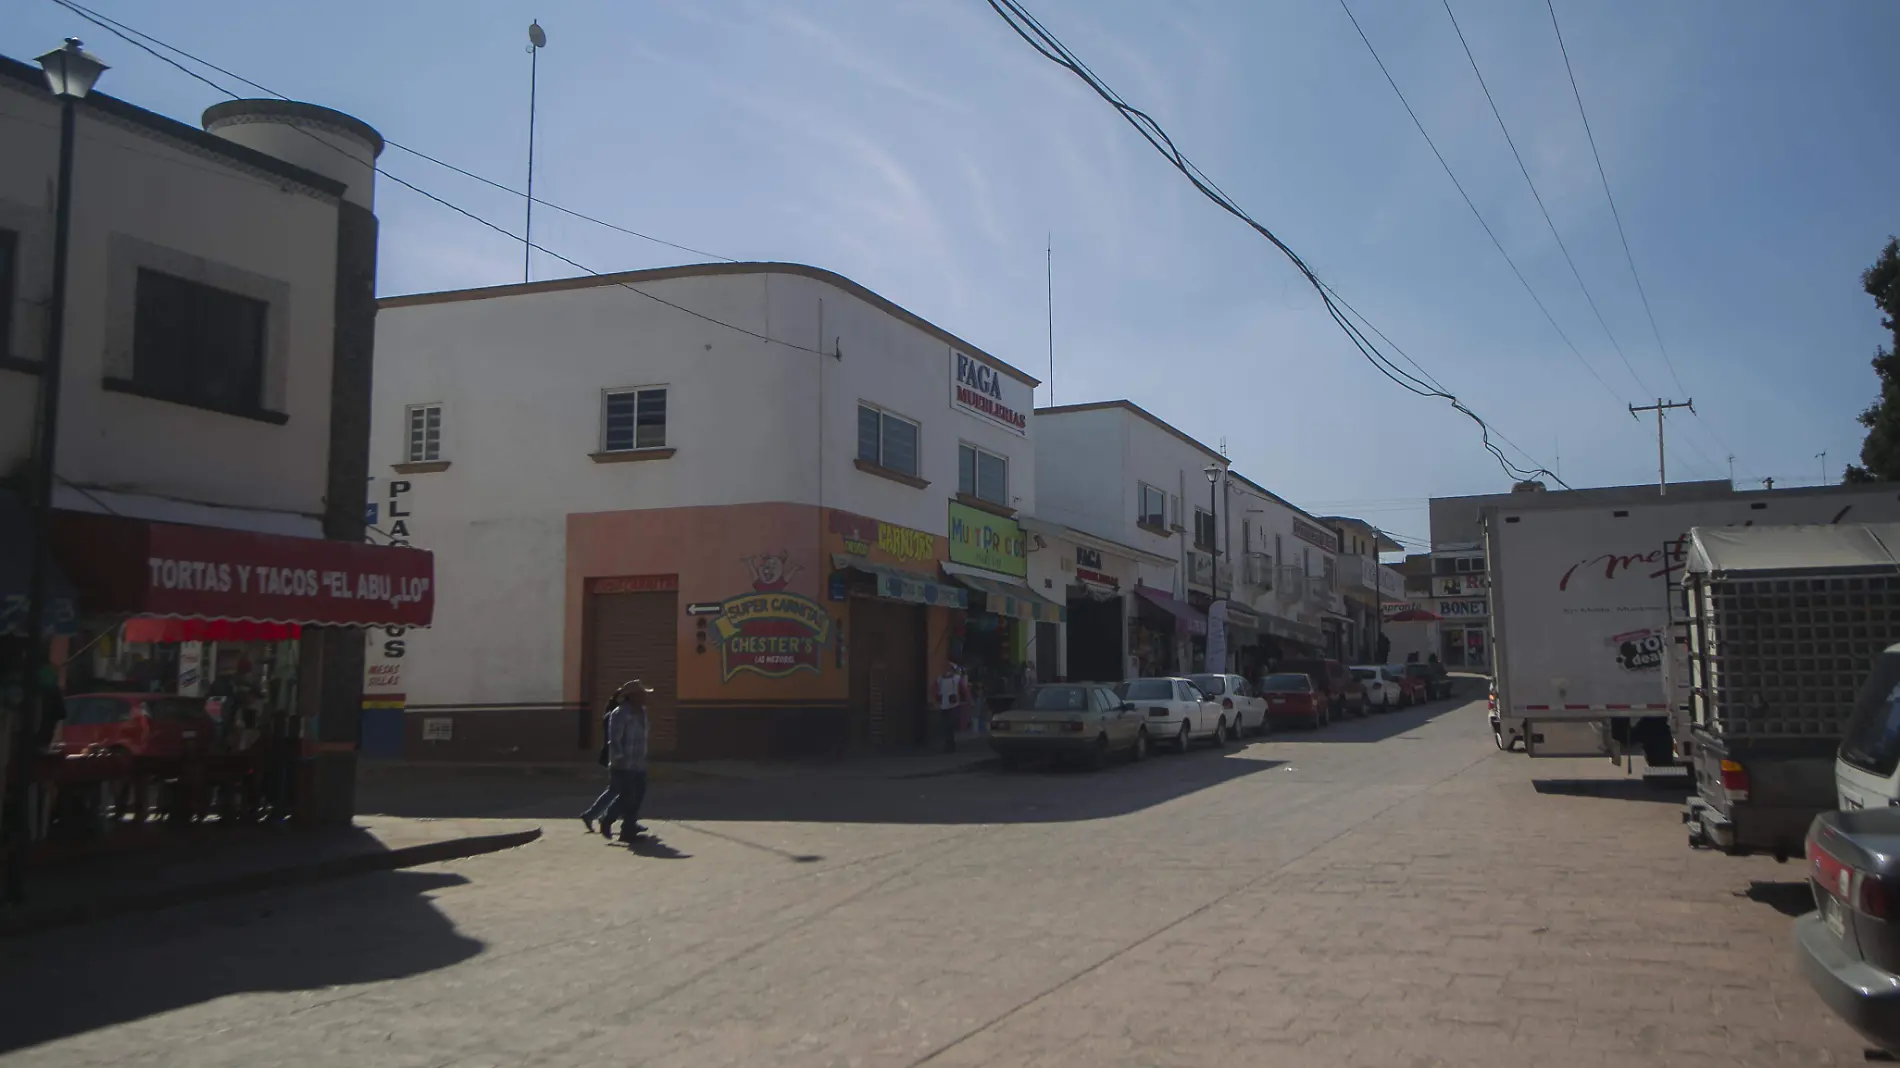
1216	638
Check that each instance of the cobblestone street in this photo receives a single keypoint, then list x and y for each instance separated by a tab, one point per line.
1391	891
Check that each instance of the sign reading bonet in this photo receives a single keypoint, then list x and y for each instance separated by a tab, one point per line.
986	392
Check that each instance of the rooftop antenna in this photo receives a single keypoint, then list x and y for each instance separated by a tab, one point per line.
537	40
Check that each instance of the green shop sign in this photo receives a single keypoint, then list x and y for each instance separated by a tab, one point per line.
991	542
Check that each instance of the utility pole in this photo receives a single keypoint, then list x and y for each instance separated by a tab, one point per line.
1822	456
1049	304
1731	469
537	40
1661	406
1768	483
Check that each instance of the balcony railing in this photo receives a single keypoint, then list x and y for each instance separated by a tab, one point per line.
1292	584
1202	571
1257	570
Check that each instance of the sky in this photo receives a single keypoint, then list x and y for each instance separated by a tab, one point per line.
922	149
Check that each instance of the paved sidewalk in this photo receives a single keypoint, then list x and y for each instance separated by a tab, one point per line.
154	866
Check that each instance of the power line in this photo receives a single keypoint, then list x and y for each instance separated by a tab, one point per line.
127	35
139	39
1051	48
1535	195
1499	245
1621	236
1614	214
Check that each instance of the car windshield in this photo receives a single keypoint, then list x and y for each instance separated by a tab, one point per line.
1148	690
1286	684
1364	673
1056	699
1212	685
1872	739
175	708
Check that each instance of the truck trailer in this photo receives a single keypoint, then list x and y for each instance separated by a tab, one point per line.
1585	660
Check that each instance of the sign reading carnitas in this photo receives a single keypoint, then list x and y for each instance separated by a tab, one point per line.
984	391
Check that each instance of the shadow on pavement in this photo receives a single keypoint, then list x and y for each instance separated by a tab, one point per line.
1789	899
68	982
1374	726
1670	790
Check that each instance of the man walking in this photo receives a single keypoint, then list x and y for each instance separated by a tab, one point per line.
626	761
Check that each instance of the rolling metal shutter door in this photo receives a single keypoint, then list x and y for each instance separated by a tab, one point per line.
635	636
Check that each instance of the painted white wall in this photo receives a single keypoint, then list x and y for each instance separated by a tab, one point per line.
142	197
520	375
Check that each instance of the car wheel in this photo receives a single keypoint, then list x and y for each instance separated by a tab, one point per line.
1220	733
1181	739
1139	751
1097	756
1233	730
1385	703
1497	737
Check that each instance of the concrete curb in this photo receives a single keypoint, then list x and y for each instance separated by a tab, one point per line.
34	918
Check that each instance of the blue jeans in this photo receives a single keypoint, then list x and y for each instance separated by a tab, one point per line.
626	789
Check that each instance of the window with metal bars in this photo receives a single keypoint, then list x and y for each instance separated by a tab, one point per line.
633	419
425	433
982	474
889	441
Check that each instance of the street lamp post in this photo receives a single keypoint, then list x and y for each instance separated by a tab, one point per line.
1213	472
71	73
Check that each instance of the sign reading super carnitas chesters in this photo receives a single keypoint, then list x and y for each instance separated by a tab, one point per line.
985	391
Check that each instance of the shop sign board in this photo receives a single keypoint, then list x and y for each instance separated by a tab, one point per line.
1088	558
633	584
772	634
1467	607
862	534
438	729
1462	585
991	542
984	391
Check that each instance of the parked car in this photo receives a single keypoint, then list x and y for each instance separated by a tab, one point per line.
1174	709
1079	721
1343	692
1244	709
1292	698
1383	690
1412	688
1849	947
151	725
1437	679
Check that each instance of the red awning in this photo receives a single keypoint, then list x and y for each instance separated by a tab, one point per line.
171	631
142	568
1414	615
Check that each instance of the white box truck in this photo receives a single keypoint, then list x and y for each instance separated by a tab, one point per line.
1584	652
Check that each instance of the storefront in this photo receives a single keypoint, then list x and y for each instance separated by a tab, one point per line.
1161	630
251	631
888	617
1008	624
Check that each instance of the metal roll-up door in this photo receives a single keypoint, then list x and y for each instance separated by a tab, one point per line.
887	674
635	636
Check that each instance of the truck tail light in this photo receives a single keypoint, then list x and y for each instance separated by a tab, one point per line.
1158	710
1735	780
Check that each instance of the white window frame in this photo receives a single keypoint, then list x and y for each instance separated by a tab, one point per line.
409	443
976	472
606	399
915	424
1142	489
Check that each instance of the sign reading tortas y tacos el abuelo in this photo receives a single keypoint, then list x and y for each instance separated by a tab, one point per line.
991	542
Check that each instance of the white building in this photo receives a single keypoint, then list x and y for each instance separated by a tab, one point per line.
1139	495
776	496
212	419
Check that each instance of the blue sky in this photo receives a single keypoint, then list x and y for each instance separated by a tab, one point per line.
920	148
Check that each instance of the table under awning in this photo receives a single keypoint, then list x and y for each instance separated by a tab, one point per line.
1186	614
16	579
896	584
1005	596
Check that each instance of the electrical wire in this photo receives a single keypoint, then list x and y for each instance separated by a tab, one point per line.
1535	195
139	38
127	34
1051	48
1469	203
1615	214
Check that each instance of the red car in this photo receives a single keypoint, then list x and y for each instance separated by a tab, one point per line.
1344	693
154	725
1291	698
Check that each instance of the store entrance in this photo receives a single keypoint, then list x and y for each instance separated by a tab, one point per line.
1095	639
886	653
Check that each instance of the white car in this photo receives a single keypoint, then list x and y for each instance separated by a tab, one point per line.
1175	710
1244	709
1384	691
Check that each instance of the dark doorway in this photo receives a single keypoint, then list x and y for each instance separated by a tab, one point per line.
1095	639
